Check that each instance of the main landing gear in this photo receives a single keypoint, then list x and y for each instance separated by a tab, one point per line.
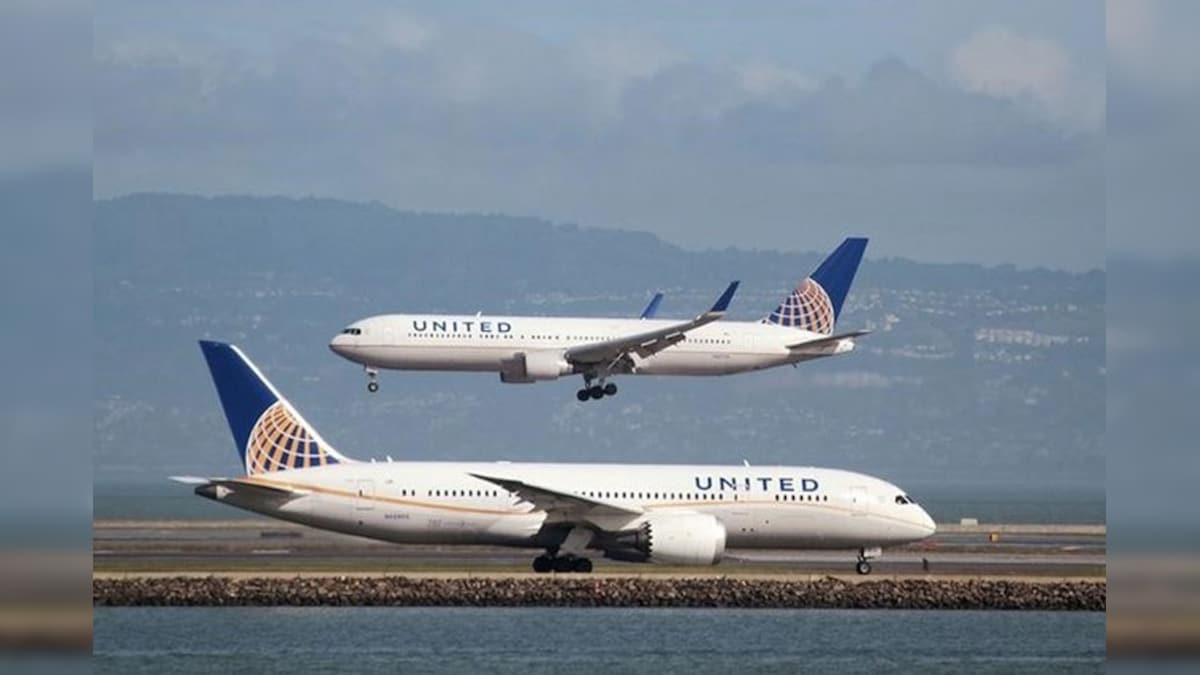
597	391
562	564
372	380
864	560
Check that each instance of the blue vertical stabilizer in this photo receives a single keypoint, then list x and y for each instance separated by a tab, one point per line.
815	304
836	273
269	434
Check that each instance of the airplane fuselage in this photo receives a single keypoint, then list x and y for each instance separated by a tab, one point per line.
489	343
443	503
672	514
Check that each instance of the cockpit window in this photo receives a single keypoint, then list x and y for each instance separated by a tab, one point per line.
352	331
905	499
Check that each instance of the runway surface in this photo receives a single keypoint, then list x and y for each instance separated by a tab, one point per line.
260	547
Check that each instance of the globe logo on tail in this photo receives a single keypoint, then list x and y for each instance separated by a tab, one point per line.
279	441
808	308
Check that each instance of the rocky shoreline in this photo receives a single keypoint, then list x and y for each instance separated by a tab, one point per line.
827	593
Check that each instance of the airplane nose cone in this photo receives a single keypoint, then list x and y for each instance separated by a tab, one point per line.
342	345
926	523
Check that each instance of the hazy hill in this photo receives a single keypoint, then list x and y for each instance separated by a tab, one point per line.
974	374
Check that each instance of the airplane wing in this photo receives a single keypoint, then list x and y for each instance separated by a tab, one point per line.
652	308
548	499
649	342
828	340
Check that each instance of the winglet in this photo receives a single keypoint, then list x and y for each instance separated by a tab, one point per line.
726	297
652	308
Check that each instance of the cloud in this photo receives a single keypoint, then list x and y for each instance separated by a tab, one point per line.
1035	72
402	31
610	129
763	78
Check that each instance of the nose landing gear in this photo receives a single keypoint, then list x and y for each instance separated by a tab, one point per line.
864	559
372	380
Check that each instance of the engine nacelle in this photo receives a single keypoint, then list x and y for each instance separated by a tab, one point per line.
683	539
528	367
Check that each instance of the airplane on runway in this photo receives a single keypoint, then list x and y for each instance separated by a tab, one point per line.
671	514
527	349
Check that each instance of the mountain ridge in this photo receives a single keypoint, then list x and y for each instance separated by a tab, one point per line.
971	371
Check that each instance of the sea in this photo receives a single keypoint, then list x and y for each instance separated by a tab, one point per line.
561	640
552	640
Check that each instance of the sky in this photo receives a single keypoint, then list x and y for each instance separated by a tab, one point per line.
1034	133
1154	130
947	131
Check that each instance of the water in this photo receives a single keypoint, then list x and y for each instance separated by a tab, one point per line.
533	640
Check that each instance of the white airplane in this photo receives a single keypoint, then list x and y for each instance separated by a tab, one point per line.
679	515
529	348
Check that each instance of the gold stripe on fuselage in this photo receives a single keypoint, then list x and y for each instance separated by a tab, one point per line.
260	480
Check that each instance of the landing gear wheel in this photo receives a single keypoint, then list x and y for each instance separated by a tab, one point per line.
564	564
610	389
372	386
863	567
581	565
596	392
582	395
543	564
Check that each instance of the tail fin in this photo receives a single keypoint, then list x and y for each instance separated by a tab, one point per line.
817	302
652	308
268	432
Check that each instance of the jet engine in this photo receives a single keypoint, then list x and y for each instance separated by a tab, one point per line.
682	539
528	367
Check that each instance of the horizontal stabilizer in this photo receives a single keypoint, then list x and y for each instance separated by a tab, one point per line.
190	480
219	489
829	339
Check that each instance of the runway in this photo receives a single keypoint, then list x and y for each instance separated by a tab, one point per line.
259	546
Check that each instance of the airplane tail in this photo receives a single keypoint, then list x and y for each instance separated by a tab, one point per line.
268	432
817	301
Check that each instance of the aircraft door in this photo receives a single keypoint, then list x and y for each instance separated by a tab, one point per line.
858	500
364	499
